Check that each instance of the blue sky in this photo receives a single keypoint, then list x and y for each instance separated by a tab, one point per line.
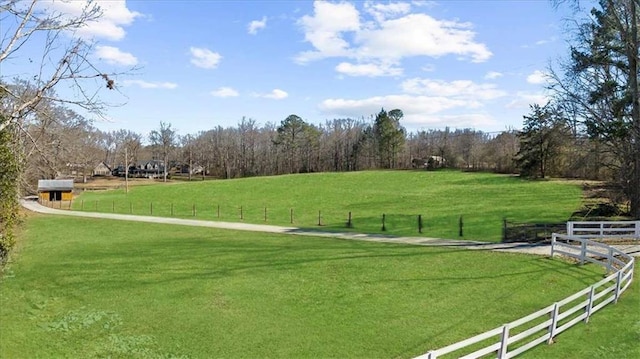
202	64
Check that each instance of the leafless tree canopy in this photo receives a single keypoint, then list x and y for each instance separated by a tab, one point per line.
62	60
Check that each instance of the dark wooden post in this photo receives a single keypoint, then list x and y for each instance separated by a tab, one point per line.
218	211
241	215
349	224
291	215
151	208
419	223
319	219
504	229
384	228
265	214
460	225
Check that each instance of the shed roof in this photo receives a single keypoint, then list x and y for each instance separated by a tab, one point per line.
55	185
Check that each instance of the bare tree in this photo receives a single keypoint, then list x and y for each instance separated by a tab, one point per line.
62	60
188	146
81	147
165	139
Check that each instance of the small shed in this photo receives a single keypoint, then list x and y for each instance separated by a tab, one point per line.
55	190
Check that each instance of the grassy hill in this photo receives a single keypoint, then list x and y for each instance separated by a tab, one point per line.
87	288
482	200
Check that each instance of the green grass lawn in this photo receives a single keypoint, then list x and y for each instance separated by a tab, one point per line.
612	333
441	198
87	288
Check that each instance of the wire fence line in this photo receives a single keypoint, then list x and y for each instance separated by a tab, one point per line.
327	218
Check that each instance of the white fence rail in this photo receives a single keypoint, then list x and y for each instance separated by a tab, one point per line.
542	326
607	229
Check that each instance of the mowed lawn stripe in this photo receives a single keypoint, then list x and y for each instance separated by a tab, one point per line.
483	200
99	288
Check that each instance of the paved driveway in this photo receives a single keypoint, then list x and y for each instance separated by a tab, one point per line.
539	249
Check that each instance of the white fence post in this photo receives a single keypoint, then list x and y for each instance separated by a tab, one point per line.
618	283
569	229
568	247
554	322
638	229
504	342
592	292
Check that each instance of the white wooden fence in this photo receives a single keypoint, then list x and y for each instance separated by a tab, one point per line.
607	229
542	326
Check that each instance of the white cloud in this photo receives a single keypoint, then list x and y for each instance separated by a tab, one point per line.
225	92
276	94
466	120
371	105
522	100
370	70
113	55
110	26
380	12
151	85
204	58
538	77
427	102
324	29
256	25
463	89
421	35
418	111
492	75
385	33
540	42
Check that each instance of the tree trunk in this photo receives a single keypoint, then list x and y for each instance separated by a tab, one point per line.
190	164
632	50
166	164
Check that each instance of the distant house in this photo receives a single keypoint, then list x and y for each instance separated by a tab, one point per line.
101	169
55	190
436	162
152	166
195	169
430	162
144	169
419	163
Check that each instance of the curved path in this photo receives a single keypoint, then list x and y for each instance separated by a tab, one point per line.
540	249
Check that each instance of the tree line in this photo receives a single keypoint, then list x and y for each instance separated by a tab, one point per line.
547	146
72	143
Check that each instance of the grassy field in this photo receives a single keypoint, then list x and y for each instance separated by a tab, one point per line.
613	333
441	198
97	288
